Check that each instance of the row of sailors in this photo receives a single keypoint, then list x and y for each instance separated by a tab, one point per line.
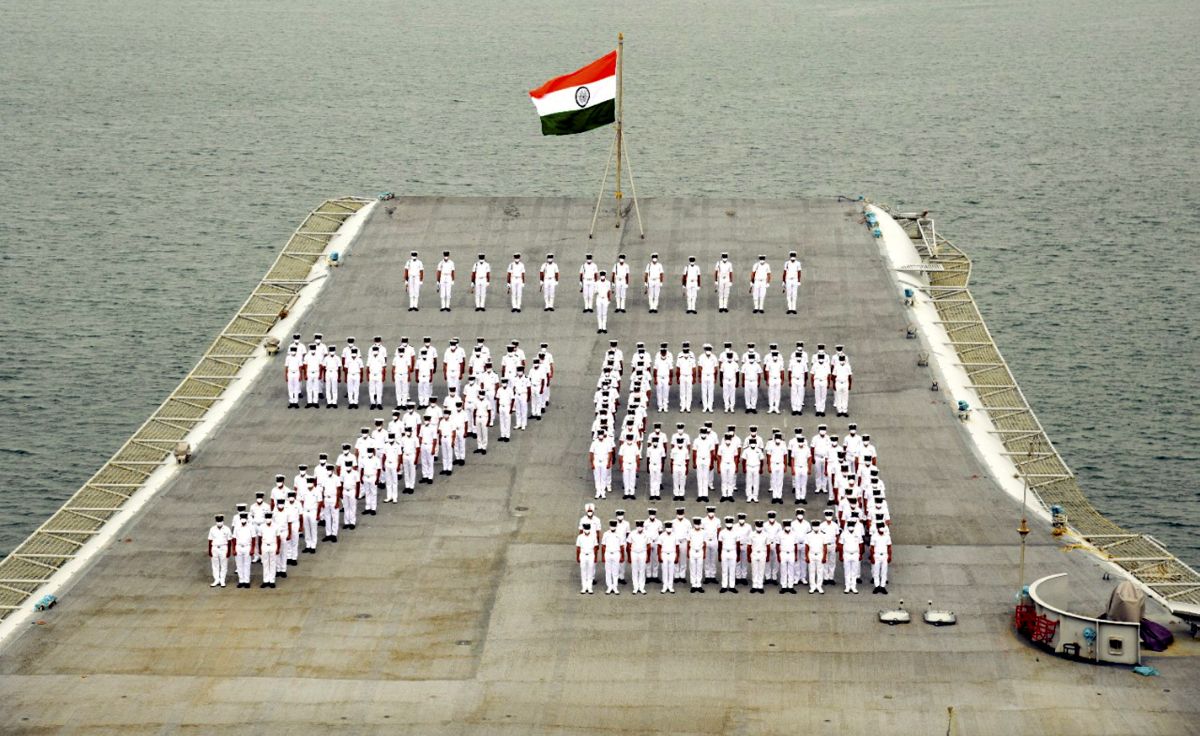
785	553
658	372
607	285
320	368
269	530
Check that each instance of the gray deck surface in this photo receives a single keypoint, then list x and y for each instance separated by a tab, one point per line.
458	609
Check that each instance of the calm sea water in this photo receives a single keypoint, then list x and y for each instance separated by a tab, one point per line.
155	154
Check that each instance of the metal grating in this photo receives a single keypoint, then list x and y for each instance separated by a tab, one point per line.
1048	476
59	538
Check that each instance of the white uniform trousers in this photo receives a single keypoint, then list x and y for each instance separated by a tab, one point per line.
242	561
521	409
707	391
370	496
729	395
293	545
741	571
391	484
662	391
656	475
481	436
331	389
480	294
723	294
760	295
728	572
601	315
293	388
681	568
515	291
353	388
620	291
851	569
332	519
696	571
444	288
728	480
879	573
800	481
772	572
427	460
414	293
691	292
460	447
710	560
410	473
401	390
678	483
269	565
309	522
637	569
220	568
802	566
447	452
653	291
587	572
668	575
350	509
652	566
821	484
314	389
777	483
797	394
375	391
758	567
791	288
629	481
752	481
787	572
820	391
548	290
774	394
612	574
505	425
589	294
750	395
703	481
424	391
816	581
841	396
830	566
598	477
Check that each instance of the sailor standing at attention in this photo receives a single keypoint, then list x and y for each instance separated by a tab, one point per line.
729	548
269	545
774	368
589	273
585	555
515	278
331	367
620	282
758	544
481	277
445	279
602	292
313	361
414	276
820	375
629	455
723	282
664	367
402	367
706	367
377	358
843	380
696	547
760	280
668	554
639	556
353	366
243	548
691	284
548	276
791	281
293	369
653	279
310	506
798	377
220	540
612	546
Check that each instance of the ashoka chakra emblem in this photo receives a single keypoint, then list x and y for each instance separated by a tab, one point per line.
582	95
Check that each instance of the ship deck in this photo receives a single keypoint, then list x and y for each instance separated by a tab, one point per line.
458	609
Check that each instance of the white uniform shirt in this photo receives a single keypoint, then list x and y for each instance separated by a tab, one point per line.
629	454
516	272
413	268
218	538
760	274
723	271
548	272
481	272
798	364
293	364
587	545
691	275
791	271
654	272
589	271
707	362
445	271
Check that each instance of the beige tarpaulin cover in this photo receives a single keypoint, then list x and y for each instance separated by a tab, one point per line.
1127	603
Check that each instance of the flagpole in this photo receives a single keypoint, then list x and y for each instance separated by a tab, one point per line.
620	114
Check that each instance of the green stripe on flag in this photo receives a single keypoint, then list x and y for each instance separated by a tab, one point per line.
580	121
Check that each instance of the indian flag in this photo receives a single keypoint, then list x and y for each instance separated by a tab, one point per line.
579	101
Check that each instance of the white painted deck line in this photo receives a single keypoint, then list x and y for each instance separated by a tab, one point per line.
62	580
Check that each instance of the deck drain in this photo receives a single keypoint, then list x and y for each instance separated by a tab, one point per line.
362	615
522	508
464	642
453	497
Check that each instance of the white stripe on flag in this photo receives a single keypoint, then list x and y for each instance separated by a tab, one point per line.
564	100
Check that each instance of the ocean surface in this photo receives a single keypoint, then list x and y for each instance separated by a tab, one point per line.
155	154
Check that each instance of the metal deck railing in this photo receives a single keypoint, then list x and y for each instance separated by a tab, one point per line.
1024	438
59	539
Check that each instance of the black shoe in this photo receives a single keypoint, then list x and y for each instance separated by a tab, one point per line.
281	574
483	452
460	462
333	539
409	491
782	591
293	563
265	585
883	591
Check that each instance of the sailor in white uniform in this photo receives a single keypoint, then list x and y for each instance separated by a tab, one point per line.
668	555
586	548
445	274
244	540
269	545
589	274
481	278
414	276
219	539
548	278
729	549
820	376
313	361
798	377
602	291
403	361
760	281
353	367
293	370
843	380
791	280
881	557
619	278
723	282
331	367
515	279
638	548
690	281
653	278
774	368
759	546
612	547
